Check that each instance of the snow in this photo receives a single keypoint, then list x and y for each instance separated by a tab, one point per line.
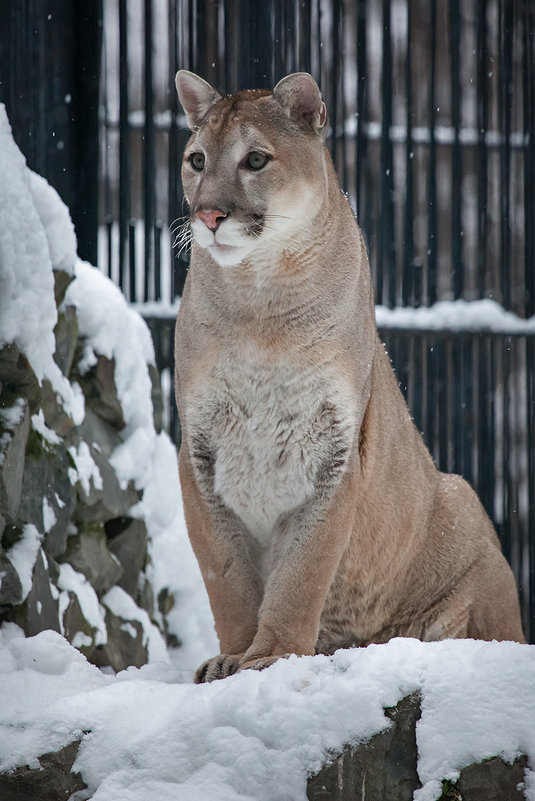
57	223
122	605
22	556
11	417
172	563
28	242
86	471
112	329
70	580
257	735
39	425
459	315
49	516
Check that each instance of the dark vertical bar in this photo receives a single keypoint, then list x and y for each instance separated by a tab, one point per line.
529	159
341	66
485	472
408	249
362	108
482	160
305	35
415	372
158	260
84	121
318	34
443	406
149	167
173	166
334	76
457	397
132	260
530	415
492	430
106	201
467	343
261	46
506	88
506	508
124	140
385	241
109	244
456	152
432	396
432	244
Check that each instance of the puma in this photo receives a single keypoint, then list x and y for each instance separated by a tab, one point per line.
316	513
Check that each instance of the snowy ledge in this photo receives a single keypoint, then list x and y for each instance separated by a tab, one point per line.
258	736
477	316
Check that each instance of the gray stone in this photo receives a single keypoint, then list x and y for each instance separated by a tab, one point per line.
17	377
98	433
145	595
61	283
66	334
53	781
107	502
40	610
129	546
12	459
88	553
10	586
55	415
74	622
46	476
101	393
493	780
156	397
124	647
382	769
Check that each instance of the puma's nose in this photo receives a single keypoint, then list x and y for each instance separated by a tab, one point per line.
212	218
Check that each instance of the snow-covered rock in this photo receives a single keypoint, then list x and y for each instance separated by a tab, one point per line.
87	545
144	735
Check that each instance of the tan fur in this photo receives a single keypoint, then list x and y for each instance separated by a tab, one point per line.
313	506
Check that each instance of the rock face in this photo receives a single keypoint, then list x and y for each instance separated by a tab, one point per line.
384	769
52	782
67	536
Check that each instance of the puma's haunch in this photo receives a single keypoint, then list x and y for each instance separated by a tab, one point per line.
313	506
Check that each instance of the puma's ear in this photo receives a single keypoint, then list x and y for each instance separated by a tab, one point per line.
300	96
195	95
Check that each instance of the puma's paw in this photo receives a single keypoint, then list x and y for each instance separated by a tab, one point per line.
218	667
261	662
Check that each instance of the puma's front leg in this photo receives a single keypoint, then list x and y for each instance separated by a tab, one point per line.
315	538
233	585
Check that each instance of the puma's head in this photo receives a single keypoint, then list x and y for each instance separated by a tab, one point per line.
254	169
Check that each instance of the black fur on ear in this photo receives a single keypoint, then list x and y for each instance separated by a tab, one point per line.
195	95
300	96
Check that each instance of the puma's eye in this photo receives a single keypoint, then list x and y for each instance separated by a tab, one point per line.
256	160
197	161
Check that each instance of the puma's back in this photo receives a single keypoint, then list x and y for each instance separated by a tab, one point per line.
312	504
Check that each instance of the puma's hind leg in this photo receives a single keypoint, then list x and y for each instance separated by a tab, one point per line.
495	611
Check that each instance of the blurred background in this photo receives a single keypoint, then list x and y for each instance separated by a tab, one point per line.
432	131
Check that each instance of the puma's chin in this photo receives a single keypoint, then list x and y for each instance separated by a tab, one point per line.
228	255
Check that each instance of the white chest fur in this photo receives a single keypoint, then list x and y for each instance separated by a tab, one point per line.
272	428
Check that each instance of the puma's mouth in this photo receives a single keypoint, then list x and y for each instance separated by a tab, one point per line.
232	241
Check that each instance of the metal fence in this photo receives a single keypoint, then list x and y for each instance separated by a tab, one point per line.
432	110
